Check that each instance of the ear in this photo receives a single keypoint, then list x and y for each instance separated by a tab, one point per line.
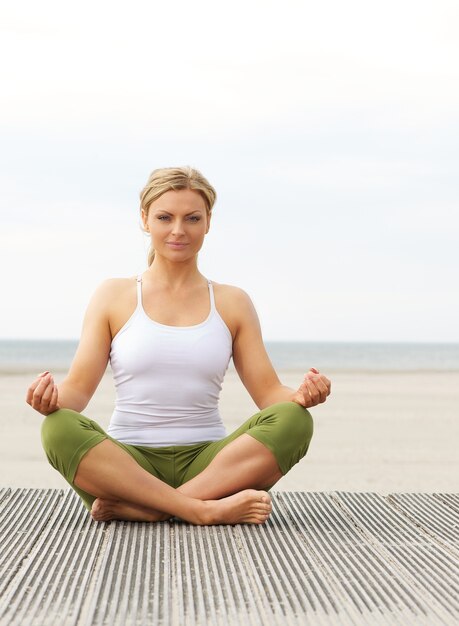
144	217
208	215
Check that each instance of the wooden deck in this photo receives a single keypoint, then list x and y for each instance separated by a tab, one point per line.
322	558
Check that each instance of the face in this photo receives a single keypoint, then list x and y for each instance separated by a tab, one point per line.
177	222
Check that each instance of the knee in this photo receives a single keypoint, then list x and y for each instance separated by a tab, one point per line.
298	422
56	430
293	431
55	426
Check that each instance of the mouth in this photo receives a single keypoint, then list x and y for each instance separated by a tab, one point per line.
176	244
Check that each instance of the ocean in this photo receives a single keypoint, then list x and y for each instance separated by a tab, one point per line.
35	356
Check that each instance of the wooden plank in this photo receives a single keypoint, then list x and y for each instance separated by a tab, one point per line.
321	559
422	563
432	515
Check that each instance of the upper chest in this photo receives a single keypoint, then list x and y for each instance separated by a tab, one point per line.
177	309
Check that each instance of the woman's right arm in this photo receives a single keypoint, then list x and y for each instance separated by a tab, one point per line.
88	365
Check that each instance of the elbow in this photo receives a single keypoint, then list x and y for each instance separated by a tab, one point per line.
69	396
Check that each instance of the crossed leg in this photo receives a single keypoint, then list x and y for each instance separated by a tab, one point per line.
231	487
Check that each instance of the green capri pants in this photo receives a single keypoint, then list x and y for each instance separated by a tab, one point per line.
285	428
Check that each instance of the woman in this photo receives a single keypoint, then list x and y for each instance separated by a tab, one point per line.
169	334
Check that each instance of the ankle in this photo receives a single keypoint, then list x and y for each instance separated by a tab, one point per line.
205	513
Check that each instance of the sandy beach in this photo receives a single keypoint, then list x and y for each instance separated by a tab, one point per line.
384	432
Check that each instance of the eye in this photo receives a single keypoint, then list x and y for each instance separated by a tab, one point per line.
163	218
195	218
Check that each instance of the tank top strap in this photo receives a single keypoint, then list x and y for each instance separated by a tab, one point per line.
139	291
211	294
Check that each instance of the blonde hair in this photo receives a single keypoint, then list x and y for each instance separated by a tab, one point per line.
175	179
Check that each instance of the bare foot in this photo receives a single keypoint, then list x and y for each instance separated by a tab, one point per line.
246	507
105	510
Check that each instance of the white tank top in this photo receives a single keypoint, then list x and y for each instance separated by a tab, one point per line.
168	379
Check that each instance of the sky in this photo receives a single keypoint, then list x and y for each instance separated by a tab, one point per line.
329	130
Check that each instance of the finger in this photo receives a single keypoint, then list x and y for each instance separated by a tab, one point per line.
35	392
33	386
321	381
322	387
324	381
317	390
29	394
49	407
48	393
53	405
40	390
310	392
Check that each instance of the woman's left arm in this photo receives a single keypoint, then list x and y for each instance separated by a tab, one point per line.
255	368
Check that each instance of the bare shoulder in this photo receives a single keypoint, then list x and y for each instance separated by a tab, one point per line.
115	299
109	289
116	285
229	295
234	306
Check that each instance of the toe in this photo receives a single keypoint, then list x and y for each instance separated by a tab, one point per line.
265	498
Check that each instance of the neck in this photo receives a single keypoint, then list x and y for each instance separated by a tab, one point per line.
174	275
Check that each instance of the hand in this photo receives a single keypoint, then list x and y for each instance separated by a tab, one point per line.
314	389
42	394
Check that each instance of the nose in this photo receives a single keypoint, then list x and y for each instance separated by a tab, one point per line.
177	228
